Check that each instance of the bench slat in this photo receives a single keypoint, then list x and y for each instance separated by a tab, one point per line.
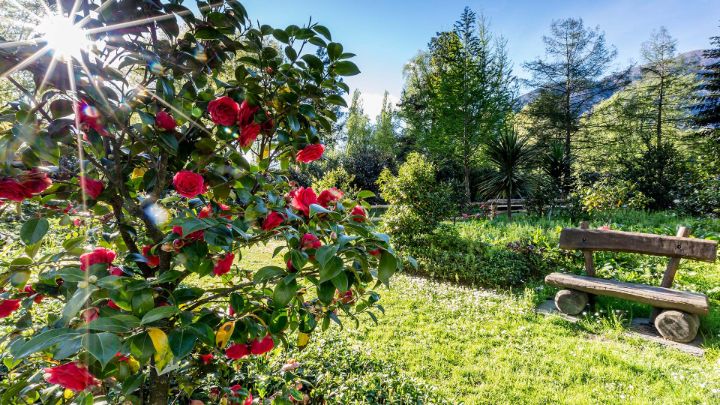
632	242
659	297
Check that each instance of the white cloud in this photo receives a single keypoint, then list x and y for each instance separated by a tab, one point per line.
372	103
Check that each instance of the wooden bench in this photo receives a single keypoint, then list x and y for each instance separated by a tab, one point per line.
675	312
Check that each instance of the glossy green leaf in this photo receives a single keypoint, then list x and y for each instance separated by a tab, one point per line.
34	230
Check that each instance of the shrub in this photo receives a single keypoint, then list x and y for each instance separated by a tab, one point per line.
338	178
418	202
366	164
182	166
700	198
610	194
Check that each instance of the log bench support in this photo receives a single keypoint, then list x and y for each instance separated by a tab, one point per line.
675	313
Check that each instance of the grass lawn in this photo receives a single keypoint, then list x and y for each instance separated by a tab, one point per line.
480	346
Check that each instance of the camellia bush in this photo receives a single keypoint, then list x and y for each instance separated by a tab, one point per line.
144	167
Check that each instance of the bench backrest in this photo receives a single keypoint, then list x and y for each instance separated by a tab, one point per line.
676	247
633	242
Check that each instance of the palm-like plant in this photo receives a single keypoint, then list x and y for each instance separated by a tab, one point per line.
511	156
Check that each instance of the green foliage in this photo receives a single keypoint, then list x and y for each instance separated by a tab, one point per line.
339	178
418	202
658	174
459	93
146	252
610	194
510	156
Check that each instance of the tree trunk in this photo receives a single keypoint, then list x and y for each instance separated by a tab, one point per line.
466	182
159	387
509	207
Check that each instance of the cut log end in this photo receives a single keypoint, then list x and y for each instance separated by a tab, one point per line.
677	326
571	302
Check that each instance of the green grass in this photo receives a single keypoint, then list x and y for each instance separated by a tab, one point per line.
479	346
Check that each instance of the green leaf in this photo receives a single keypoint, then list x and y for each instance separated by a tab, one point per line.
334	50
72	274
293	122
142	302
42	341
333	267
267	273
33	230
322	30
182	342
325	253
237	302
117	324
158	313
103	346
318	209
387	267
337	100
325	292
61	108
207	33
346	68
341	282
365	194
284	293
291	53
312	61
76	302
281	36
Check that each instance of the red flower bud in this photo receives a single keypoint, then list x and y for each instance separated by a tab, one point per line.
310	153
165	121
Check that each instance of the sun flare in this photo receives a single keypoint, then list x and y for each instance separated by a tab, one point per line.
63	37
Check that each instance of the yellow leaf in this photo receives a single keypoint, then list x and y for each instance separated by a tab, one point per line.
303	339
134	364
138	172
68	393
163	355
223	334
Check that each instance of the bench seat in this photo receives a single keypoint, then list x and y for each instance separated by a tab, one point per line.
658	297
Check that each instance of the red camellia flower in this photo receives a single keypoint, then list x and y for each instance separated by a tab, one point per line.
207	358
303	198
13	191
263	345
246	114
35	181
310	241
165	121
90	118
115	271
31	291
197	235
7	307
223	265
71	376
248	134
235	389
237	351
207	210
90	314
188	184
358	214
92	188
152	260
329	196
99	255
224	111
272	221
310	153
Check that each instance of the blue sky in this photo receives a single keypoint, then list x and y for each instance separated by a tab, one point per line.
386	34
